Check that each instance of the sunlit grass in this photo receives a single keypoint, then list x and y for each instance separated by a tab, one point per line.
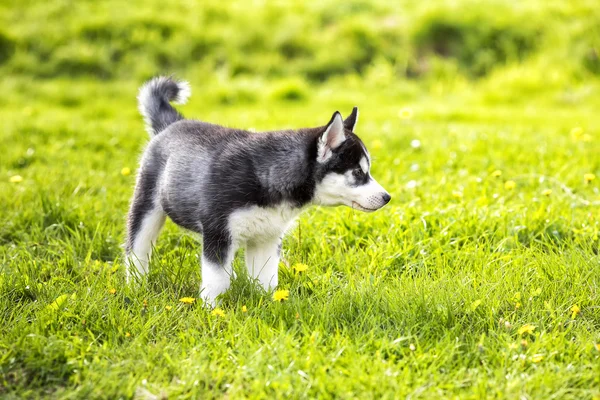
474	280
479	280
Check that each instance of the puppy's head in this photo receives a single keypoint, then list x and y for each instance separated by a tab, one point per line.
343	168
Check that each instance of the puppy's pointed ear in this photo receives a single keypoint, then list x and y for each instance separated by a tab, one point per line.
350	122
331	139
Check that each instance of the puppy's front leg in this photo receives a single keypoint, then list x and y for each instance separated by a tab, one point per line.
262	261
217	258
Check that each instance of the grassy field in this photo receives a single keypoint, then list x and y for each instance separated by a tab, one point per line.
481	279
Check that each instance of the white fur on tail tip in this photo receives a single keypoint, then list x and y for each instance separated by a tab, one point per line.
148	93
184	93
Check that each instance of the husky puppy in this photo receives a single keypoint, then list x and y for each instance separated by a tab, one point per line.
238	188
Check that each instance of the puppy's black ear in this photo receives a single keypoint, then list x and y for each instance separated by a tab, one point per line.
332	138
350	122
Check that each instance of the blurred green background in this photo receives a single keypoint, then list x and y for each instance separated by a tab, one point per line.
245	50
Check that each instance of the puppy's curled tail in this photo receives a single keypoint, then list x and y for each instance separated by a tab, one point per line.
154	102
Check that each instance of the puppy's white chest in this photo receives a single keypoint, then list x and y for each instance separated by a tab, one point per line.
260	224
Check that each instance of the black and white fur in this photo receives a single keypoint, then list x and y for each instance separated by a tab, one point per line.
238	188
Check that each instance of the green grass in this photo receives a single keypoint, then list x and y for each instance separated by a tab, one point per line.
421	299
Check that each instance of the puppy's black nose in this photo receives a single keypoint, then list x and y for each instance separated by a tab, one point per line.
386	198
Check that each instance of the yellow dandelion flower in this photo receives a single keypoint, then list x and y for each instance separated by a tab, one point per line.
547	192
589	177
16	179
457	195
497	173
510	185
518	304
527	328
127	334
597	346
112	291
168	308
217	312
574	311
536	358
577	132
281	295
125	171
187	300
244	309
405	113
300	267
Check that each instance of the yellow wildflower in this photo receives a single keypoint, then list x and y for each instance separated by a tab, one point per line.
16	179
281	295
405	113
589	177
125	171
527	328
127	334
217	312
518	304
536	358
112	291
187	300
597	345
300	267
547	192
168	308
577	132
244	309
574	311
510	185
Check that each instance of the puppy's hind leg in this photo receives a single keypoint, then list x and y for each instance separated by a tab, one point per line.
145	220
